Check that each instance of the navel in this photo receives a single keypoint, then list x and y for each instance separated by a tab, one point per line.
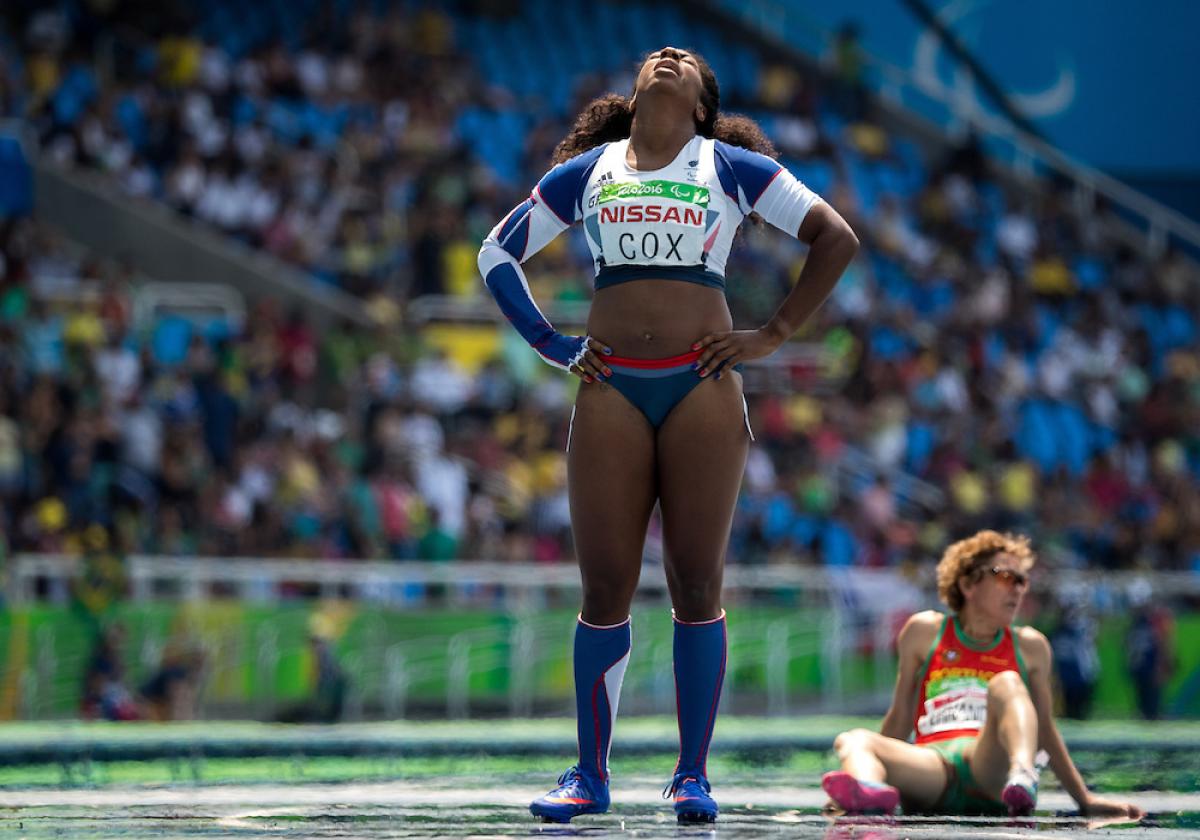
648	336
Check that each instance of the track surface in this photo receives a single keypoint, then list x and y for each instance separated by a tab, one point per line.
431	809
476	778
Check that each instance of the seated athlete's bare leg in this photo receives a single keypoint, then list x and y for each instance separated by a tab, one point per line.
702	448
1009	738
917	772
611	484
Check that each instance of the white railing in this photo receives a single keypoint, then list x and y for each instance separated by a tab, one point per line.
47	577
483	310
914	495
196	301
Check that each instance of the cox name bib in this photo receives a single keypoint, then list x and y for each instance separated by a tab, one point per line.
651	222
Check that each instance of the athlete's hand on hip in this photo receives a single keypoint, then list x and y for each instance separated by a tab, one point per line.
590	366
1096	806
725	349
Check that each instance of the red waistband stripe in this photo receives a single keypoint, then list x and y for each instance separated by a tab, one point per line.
653	364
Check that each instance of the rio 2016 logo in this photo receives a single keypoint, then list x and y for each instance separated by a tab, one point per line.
690	193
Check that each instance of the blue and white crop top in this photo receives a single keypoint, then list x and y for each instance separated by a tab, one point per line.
676	222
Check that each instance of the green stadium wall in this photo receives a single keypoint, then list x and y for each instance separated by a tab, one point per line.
259	660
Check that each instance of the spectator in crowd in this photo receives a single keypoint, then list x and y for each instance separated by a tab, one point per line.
328	697
1149	649
1076	658
171	691
105	695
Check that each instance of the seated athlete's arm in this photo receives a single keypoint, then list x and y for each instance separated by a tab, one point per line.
550	209
1035	650
912	645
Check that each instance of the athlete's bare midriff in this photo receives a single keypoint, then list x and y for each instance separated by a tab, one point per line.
652	319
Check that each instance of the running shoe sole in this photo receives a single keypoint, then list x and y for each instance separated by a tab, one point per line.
561	814
695	817
1019	799
856	798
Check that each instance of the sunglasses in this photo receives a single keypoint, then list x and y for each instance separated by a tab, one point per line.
1011	578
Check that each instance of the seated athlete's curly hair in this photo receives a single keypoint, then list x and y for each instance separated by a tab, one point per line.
610	117
969	556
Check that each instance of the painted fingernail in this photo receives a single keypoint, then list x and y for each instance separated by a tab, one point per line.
696	346
588	379
695	365
608	350
607	372
704	371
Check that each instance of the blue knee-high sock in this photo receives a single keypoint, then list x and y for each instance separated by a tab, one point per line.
699	673
601	654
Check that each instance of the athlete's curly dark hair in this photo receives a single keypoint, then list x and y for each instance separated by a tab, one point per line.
609	117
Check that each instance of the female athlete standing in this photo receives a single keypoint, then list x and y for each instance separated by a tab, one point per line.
660	182
976	691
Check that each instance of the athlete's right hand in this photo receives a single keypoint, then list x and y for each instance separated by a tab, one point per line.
1096	806
590	367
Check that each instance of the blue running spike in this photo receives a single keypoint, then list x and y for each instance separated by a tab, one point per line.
692	801
576	794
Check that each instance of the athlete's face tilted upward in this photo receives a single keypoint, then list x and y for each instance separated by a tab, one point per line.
677	72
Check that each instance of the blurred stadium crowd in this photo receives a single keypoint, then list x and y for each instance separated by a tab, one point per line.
1036	369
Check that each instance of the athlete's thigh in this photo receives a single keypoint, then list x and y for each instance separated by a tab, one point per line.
702	447
611	484
988	760
917	772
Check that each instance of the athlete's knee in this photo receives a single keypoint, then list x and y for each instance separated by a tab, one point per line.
853	741
1005	686
607	600
698	602
695	596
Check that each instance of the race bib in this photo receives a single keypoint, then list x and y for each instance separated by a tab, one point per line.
651	222
958	707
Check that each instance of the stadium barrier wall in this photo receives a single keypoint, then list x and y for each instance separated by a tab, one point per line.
468	639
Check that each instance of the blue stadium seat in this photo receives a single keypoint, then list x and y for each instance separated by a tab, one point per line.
169	340
1073	437
838	546
804	531
1090	272
1035	437
778	518
16	180
921	439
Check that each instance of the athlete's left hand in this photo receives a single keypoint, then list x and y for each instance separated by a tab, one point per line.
1096	806
725	349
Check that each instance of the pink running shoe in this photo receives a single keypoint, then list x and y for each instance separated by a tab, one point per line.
858	797
1020	793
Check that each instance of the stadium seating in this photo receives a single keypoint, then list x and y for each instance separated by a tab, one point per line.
998	347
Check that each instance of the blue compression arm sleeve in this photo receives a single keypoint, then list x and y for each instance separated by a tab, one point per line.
550	209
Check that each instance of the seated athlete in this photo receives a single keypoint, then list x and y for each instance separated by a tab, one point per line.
976	690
